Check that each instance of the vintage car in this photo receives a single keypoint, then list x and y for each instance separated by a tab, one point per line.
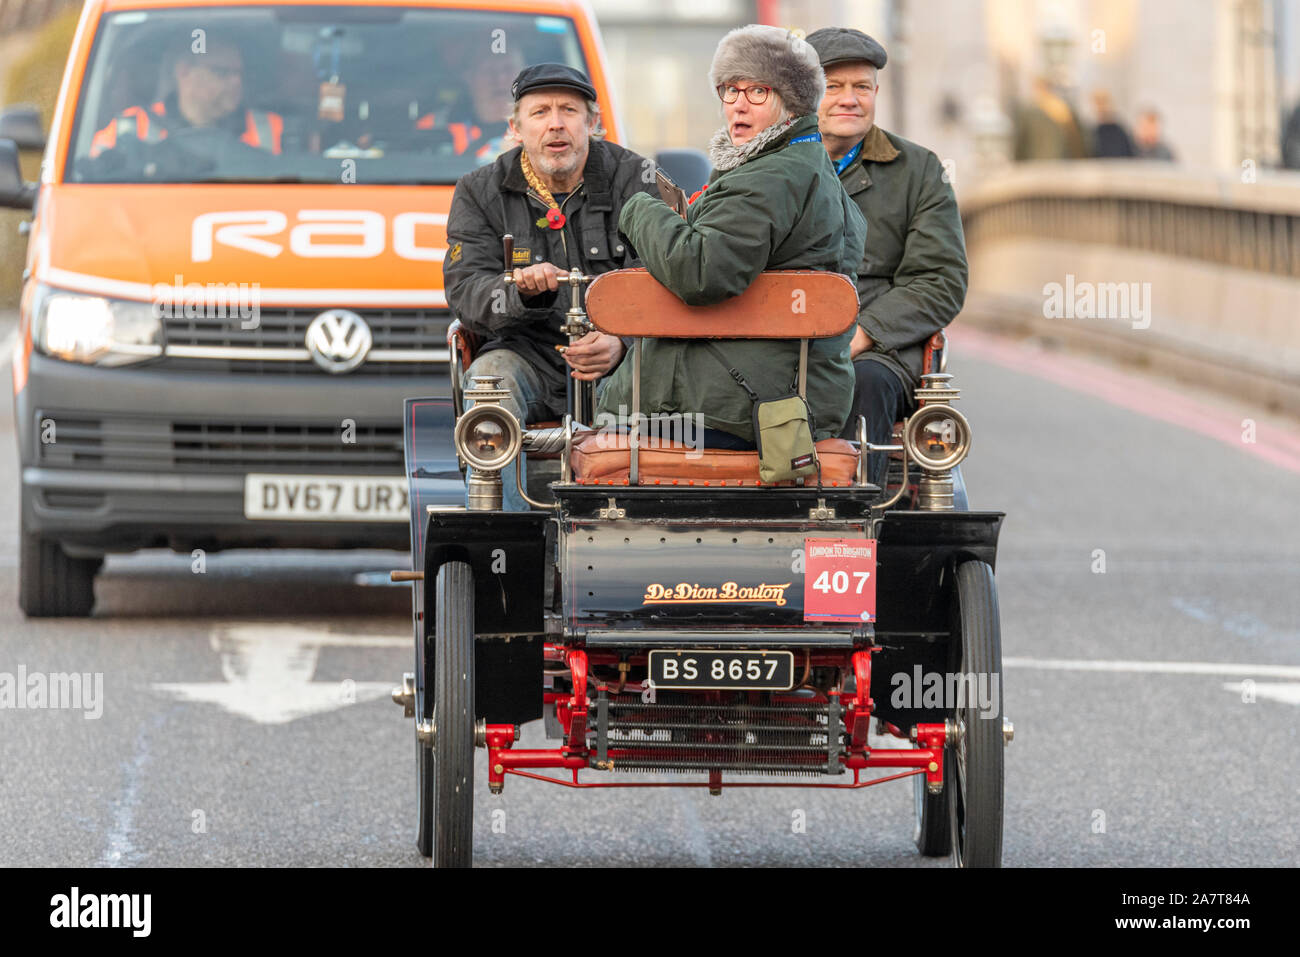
669	615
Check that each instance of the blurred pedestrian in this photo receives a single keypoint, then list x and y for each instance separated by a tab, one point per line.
1047	127
1110	140
1148	137
1291	140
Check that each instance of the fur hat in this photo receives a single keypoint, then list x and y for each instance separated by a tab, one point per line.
774	57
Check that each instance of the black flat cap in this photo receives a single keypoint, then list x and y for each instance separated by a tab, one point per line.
549	75
839	44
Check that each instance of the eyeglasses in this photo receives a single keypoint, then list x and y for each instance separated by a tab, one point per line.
756	95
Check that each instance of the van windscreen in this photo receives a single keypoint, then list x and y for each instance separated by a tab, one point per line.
310	94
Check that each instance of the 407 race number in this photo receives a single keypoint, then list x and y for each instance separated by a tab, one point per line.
839	582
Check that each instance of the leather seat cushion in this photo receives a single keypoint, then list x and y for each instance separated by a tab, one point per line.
602	458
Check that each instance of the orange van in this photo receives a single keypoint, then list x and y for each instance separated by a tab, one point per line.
234	267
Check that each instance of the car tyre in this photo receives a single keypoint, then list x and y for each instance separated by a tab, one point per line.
932	833
424	795
423	712
453	717
51	583
973	764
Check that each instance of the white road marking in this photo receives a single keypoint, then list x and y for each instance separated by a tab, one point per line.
118	850
269	669
7	348
1286	692
1161	667
697	838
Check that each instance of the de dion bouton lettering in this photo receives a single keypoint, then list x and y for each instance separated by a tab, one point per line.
695	593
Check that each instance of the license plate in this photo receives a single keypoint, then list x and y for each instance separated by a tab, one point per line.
712	670
325	498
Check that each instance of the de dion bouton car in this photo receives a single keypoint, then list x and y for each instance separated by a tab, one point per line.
666	611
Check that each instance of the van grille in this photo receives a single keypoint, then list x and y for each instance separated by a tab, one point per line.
406	342
201	446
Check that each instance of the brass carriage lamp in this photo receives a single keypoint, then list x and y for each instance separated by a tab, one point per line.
937	437
487	437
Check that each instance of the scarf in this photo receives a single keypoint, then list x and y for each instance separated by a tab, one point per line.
726	156
535	181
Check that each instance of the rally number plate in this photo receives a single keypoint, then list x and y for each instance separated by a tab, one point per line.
712	670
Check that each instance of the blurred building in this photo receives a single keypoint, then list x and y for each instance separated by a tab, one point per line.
659	53
1224	74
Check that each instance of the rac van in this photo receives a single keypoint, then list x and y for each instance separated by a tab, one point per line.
234	267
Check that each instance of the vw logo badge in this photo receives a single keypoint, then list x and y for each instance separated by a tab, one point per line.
338	340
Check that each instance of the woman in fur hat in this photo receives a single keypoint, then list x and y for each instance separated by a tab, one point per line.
772	202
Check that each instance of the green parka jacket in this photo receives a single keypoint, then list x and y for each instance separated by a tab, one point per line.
781	208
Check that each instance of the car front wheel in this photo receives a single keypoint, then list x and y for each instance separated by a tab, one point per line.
51	583
973	759
453	718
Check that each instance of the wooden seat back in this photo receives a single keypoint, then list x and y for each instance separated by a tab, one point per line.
793	304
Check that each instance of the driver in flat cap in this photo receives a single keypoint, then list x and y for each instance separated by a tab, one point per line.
912	281
559	195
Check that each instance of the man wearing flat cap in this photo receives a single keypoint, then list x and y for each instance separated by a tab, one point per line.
912	281
559	195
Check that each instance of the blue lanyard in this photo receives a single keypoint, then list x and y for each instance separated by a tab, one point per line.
808	138
318	50
843	164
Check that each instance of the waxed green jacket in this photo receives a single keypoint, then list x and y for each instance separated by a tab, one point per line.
782	208
912	279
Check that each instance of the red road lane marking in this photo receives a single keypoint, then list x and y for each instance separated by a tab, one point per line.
1273	445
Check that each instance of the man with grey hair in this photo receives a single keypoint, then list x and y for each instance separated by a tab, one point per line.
912	281
559	194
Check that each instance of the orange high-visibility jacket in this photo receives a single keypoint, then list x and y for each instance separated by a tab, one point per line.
262	129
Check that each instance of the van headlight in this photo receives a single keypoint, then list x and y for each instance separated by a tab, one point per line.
95	330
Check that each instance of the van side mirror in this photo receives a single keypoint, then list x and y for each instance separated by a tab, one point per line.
689	169
22	124
14	192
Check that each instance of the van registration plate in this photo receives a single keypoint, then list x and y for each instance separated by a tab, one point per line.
325	498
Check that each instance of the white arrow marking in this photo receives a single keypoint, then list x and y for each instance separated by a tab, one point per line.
1287	692
269	670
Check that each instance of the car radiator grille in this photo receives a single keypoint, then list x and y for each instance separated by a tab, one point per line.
140	444
405	342
682	732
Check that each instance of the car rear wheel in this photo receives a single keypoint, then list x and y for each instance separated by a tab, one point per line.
453	718
51	583
973	771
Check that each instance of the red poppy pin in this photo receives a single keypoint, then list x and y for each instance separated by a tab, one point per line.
554	219
697	194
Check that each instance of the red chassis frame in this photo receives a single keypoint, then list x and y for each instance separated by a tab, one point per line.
574	755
